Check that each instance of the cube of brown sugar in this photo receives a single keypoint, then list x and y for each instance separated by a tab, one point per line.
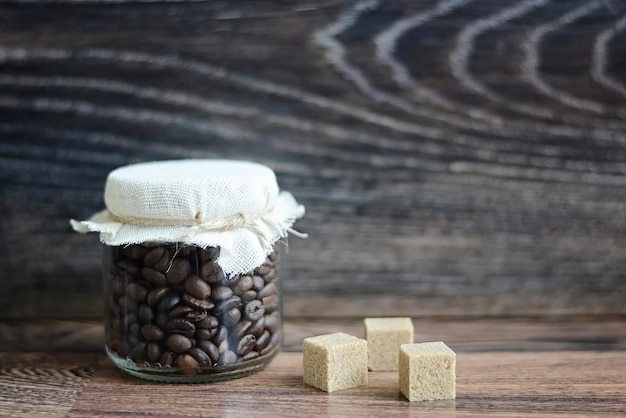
334	361
427	371
384	337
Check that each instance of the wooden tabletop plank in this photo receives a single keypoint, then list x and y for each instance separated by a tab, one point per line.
502	384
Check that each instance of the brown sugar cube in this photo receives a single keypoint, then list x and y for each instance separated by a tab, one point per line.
427	371
384	337
335	361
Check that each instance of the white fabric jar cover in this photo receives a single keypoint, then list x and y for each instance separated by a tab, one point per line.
234	205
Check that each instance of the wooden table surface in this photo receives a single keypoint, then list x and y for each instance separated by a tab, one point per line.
505	367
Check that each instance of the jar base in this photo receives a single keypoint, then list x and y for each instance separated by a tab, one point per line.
197	375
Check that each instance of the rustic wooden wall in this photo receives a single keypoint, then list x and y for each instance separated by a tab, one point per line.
456	157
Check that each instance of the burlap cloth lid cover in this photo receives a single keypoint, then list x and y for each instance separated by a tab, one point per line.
234	205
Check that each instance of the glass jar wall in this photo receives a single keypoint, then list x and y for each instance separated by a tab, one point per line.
172	315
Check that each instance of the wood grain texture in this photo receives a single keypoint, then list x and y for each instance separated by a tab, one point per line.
457	157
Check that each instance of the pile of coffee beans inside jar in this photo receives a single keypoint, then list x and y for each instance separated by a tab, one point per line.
173	306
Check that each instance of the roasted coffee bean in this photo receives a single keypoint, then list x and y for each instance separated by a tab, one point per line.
145	313
123	350
248	296
112	303
178	271
197	287
164	263
211	349
257	283
201	304
257	327
231	317
152	332
274	341
272	322
134	329
200	356
210	322
137	291
226	305
168	359
208	272
187	364
168	302
263	341
246	344
154	352
181	311
130	266
139	351
268	290
221	293
242	284
155	277
270	303
196	316
178	343
240	329
181	326
250	356
270	277
262	270
224	346
227	357
135	252
156	295
254	310
205	333
153	256
161	319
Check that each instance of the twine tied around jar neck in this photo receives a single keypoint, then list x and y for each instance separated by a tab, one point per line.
230	223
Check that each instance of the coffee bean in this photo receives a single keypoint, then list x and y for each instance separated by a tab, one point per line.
168	302
274	341
222	335
205	333
210	322
201	304
270	303
179	343
207	272
268	290
248	296
135	252
250	356
246	344
154	352
262	270
161	320
226	305
211	349
196	316
116	285
153	256
181	311
221	293
155	277
181	326
139	350
257	283
231	317
152	332
257	327
156	295
197	287
137	291
254	310
145	313
130	266
272	322
187	364
242	284
200	356
240	329
167	359
178	271
263	341
164	263
127	304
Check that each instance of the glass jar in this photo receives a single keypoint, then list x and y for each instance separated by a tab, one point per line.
173	315
190	268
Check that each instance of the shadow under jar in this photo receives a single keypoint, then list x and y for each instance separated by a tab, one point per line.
172	315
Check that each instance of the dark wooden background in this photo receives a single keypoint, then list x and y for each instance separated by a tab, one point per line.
455	157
